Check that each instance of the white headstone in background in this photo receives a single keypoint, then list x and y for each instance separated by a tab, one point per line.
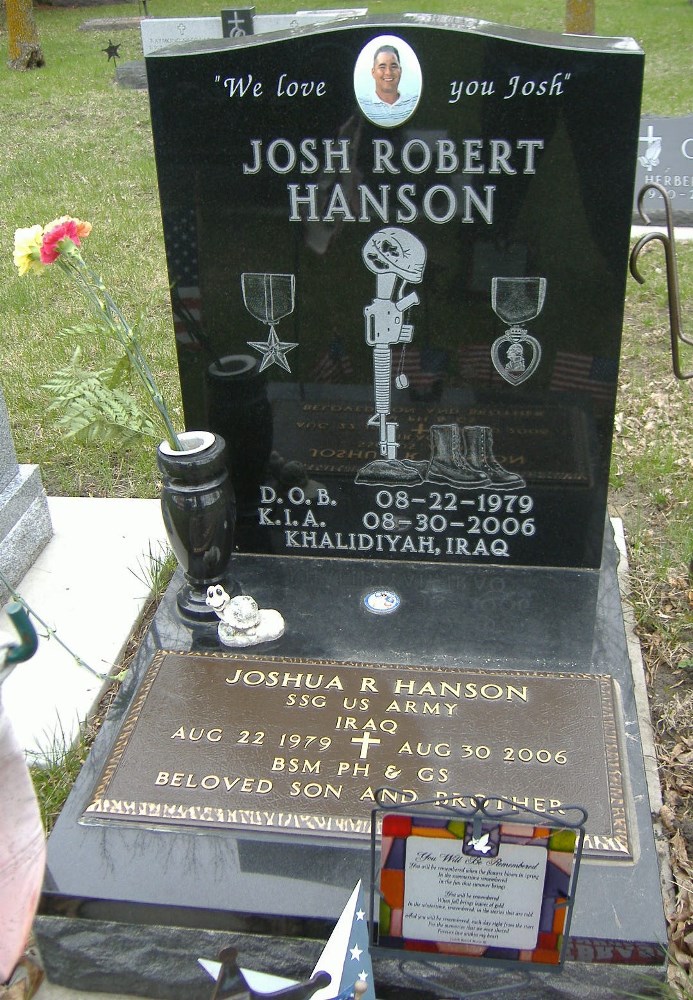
161	32
25	524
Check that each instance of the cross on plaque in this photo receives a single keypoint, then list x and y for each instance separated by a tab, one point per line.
650	137
365	742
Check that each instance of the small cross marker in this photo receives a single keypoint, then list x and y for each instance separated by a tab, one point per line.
365	742
650	137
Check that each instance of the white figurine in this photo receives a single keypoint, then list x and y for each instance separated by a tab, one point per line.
242	623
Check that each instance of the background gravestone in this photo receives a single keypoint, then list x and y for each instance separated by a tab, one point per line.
285	212
665	156
25	524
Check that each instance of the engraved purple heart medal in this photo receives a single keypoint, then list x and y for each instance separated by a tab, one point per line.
516	355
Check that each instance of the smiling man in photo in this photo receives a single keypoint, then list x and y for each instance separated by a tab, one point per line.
384	100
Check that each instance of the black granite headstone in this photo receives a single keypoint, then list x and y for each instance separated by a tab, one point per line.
404	318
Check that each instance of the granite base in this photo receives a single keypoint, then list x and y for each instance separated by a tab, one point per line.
132	907
161	961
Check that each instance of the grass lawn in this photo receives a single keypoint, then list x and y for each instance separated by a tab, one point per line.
73	142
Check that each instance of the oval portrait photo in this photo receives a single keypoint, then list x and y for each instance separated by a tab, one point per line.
387	81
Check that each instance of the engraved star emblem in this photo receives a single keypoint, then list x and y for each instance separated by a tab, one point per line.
274	351
356	952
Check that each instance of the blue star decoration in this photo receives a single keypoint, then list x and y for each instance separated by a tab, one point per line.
343	971
112	51
273	350
346	956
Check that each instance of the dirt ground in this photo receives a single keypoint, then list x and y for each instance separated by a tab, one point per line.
653	415
671	701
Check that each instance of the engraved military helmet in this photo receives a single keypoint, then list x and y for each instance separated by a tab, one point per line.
396	251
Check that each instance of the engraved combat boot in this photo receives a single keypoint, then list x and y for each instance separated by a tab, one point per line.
478	443
448	464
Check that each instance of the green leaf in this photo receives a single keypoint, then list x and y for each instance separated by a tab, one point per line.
92	411
121	372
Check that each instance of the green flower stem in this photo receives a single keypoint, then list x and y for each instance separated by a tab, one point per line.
104	308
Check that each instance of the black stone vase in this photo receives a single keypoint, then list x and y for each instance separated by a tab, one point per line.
199	511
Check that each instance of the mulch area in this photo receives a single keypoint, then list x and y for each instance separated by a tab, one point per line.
671	700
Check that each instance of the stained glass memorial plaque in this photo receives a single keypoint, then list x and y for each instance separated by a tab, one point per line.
477	888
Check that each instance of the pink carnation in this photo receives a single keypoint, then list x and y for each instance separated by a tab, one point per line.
61	229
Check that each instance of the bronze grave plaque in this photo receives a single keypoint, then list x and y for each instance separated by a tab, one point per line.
302	745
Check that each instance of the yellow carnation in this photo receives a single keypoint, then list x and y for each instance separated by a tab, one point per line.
27	245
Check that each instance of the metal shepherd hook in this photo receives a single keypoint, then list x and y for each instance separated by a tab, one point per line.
669	245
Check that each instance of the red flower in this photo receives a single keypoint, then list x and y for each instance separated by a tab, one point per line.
59	230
